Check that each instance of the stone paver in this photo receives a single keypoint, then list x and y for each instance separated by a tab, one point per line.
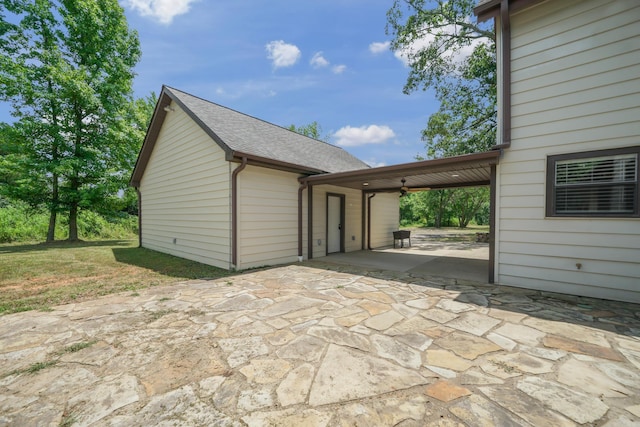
580	407
317	344
347	374
581	376
446	391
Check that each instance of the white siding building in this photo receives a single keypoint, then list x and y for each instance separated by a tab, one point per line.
567	193
222	188
186	191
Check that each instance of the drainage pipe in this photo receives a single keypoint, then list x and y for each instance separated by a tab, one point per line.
310	222
505	51
363	221
139	216
234	212
303	186
369	220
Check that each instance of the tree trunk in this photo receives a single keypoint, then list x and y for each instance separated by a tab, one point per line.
74	181
55	196
51	232
53	209
73	222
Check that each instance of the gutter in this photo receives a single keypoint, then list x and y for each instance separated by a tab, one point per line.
139	216
369	220
363	220
303	186
505	47
309	221
503	9
234	212
492	226
232	156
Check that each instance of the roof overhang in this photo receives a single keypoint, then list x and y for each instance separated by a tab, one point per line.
488	9
159	113
252	159
470	170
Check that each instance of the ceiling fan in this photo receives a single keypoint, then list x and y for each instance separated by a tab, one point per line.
404	189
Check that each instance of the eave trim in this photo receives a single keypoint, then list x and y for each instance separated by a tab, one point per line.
405	168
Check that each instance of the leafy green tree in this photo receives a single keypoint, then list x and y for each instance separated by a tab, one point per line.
130	131
413	209
14	161
312	130
28	56
66	67
449	53
433	208
467	202
446	51
439	205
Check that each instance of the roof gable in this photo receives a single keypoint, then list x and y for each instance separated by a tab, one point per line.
241	135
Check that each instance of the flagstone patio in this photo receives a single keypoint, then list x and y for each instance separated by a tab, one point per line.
320	344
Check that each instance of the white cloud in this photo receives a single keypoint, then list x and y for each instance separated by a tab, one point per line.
458	56
338	69
263	88
239	90
379	47
373	134
162	10
282	54
318	60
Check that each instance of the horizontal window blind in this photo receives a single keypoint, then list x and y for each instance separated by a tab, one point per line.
594	185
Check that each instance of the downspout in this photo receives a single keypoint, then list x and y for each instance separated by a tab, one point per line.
139	216
492	226
234	212
310	222
369	220
505	49
363	220
303	186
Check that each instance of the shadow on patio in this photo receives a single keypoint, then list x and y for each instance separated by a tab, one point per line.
466	277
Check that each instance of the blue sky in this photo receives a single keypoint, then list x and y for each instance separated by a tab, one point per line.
287	62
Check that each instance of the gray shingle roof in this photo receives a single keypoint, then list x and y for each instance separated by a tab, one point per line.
245	134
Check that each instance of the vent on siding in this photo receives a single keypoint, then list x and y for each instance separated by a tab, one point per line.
596	185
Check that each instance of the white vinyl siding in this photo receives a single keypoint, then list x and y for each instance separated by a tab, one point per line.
186	194
575	88
353	218
268	217
385	219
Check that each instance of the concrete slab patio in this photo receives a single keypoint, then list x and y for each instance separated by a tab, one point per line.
439	253
321	344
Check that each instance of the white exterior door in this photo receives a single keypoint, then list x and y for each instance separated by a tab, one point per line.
334	224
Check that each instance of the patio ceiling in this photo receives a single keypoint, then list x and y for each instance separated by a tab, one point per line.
469	170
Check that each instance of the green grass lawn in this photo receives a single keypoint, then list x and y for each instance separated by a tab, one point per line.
39	276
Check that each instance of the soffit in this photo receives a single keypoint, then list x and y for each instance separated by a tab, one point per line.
460	171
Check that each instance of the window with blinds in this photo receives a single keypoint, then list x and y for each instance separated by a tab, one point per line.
587	184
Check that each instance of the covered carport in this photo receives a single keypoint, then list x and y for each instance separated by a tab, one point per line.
471	170
438	254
